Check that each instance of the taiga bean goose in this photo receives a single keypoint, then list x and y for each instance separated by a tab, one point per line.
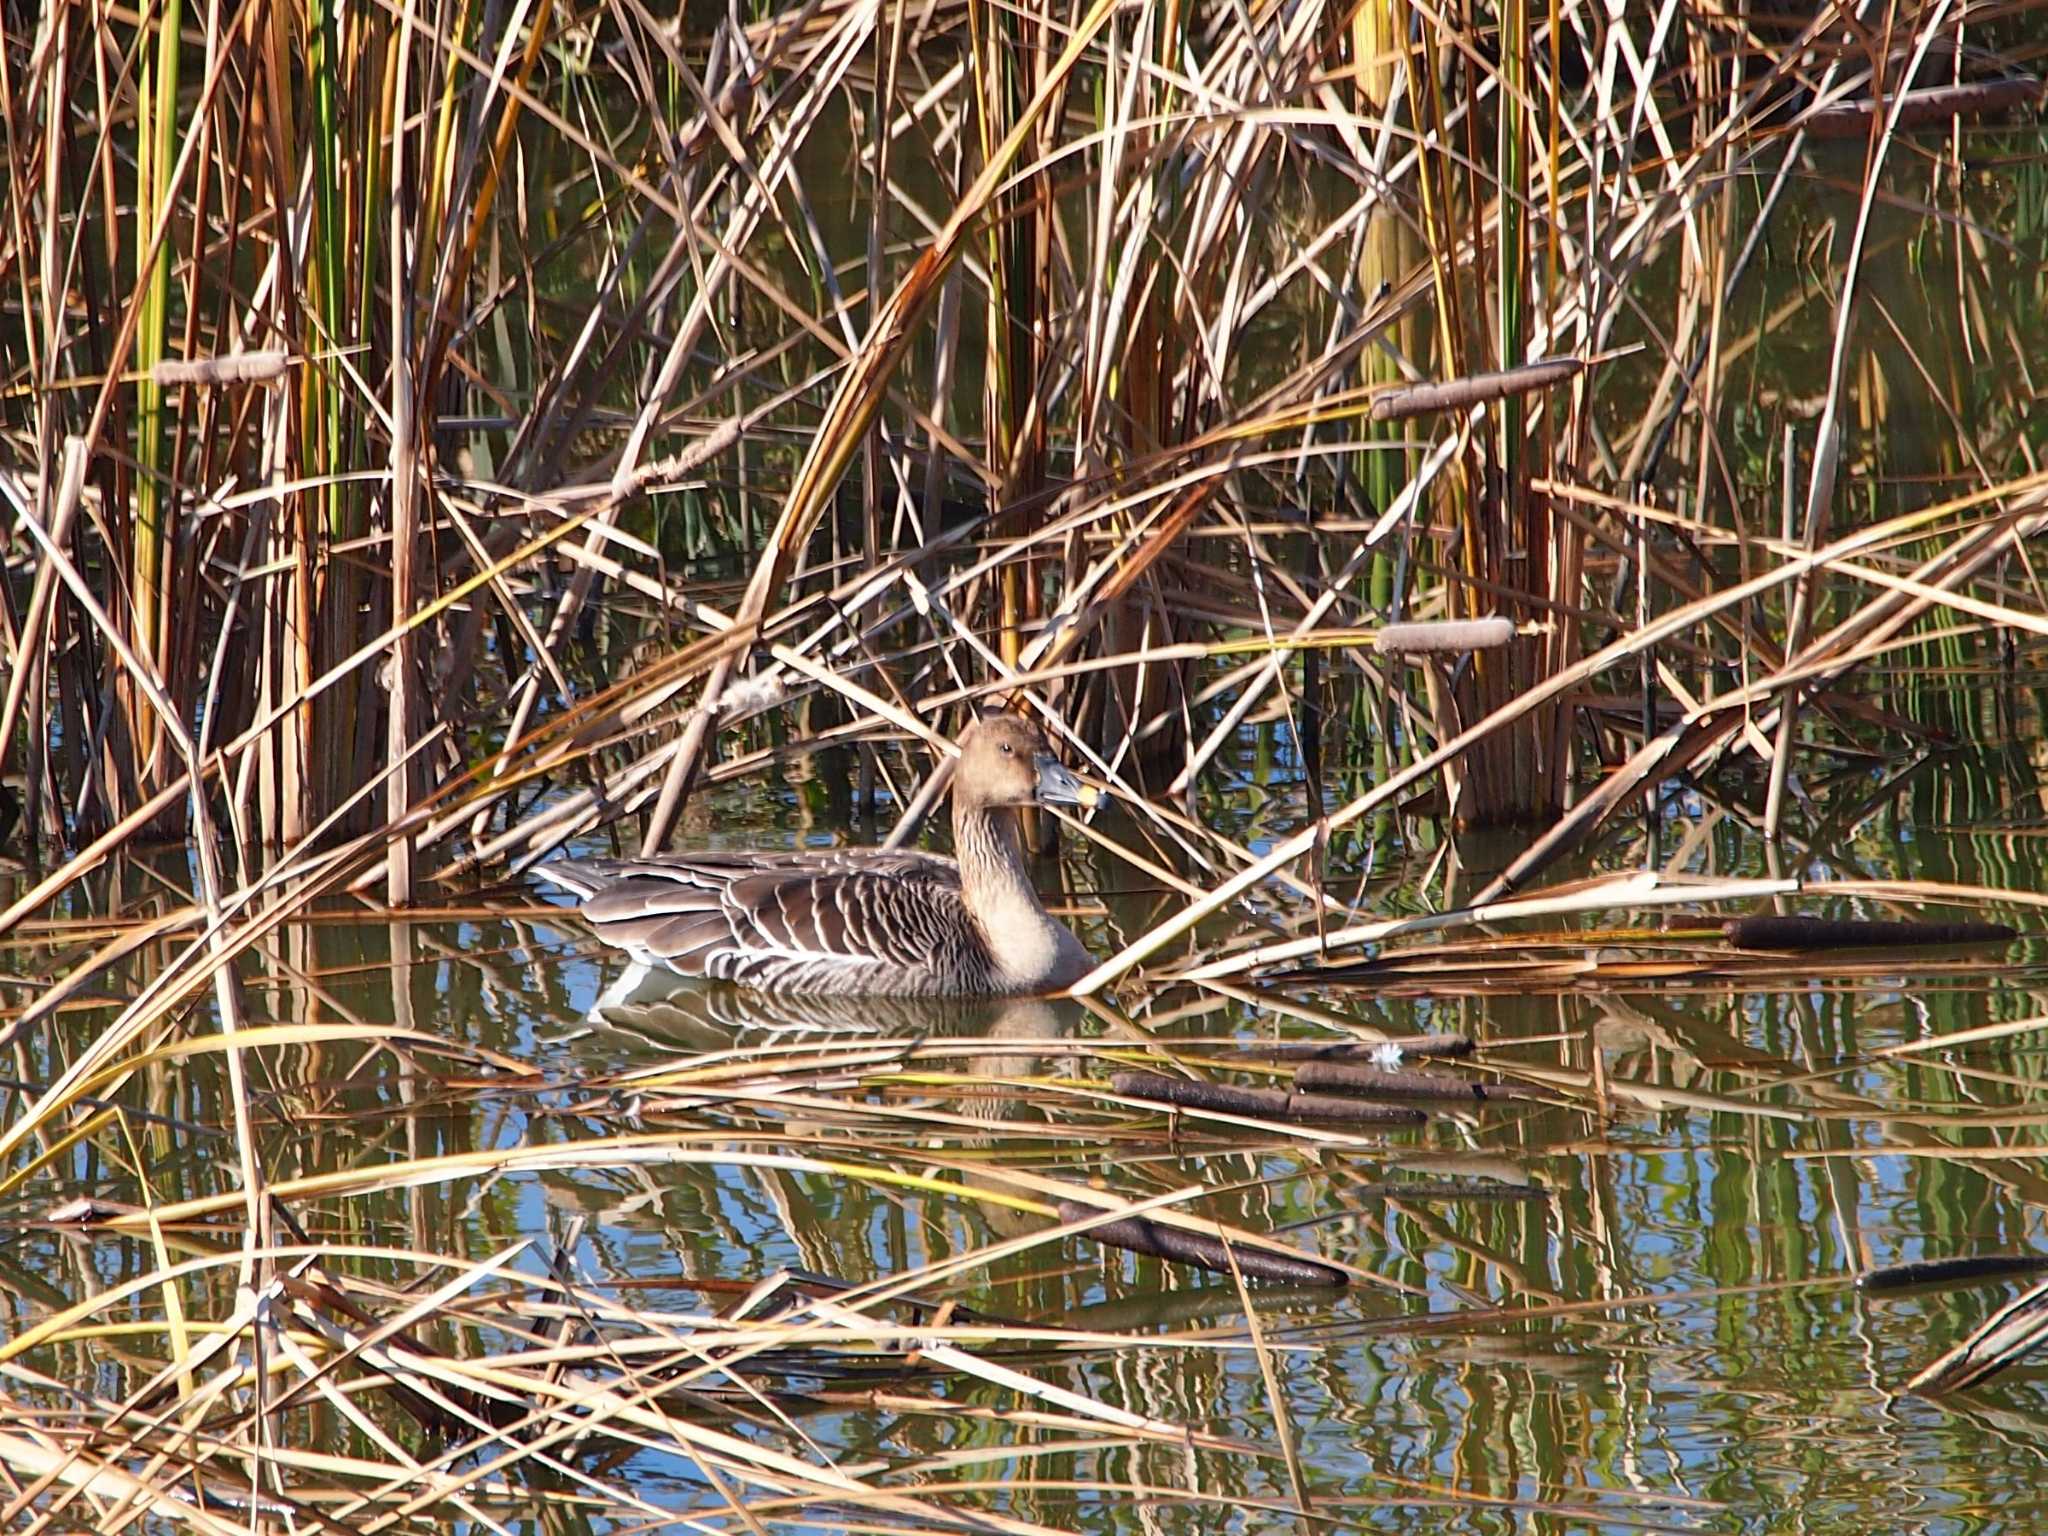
860	920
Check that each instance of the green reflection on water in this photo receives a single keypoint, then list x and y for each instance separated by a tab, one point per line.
1668	1335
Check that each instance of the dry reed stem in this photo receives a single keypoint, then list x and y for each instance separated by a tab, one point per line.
1192	527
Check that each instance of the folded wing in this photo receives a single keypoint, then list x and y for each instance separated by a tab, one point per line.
822	920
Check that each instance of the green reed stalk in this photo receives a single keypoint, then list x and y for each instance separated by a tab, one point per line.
1377	28
1002	42
1520	791
1511	249
331	587
377	177
156	151
327	252
440	170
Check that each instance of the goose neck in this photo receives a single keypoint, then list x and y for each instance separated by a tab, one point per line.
992	872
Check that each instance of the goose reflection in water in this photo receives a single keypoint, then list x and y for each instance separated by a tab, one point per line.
655	1012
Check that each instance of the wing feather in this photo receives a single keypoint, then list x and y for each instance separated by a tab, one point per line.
804	920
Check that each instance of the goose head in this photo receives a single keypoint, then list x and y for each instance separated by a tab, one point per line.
1004	761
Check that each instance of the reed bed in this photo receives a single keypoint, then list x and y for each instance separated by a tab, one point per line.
432	435
404	1351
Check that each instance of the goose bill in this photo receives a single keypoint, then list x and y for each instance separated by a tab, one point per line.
1056	786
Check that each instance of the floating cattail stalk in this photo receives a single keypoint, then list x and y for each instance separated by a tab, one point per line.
1972	1269
1266	1103
1854	933
1202	1251
1381	1083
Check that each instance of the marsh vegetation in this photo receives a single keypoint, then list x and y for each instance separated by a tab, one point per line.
1491	494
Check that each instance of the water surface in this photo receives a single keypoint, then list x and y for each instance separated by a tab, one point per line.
1631	1308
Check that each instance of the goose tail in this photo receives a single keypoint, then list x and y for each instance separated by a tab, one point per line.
581	878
